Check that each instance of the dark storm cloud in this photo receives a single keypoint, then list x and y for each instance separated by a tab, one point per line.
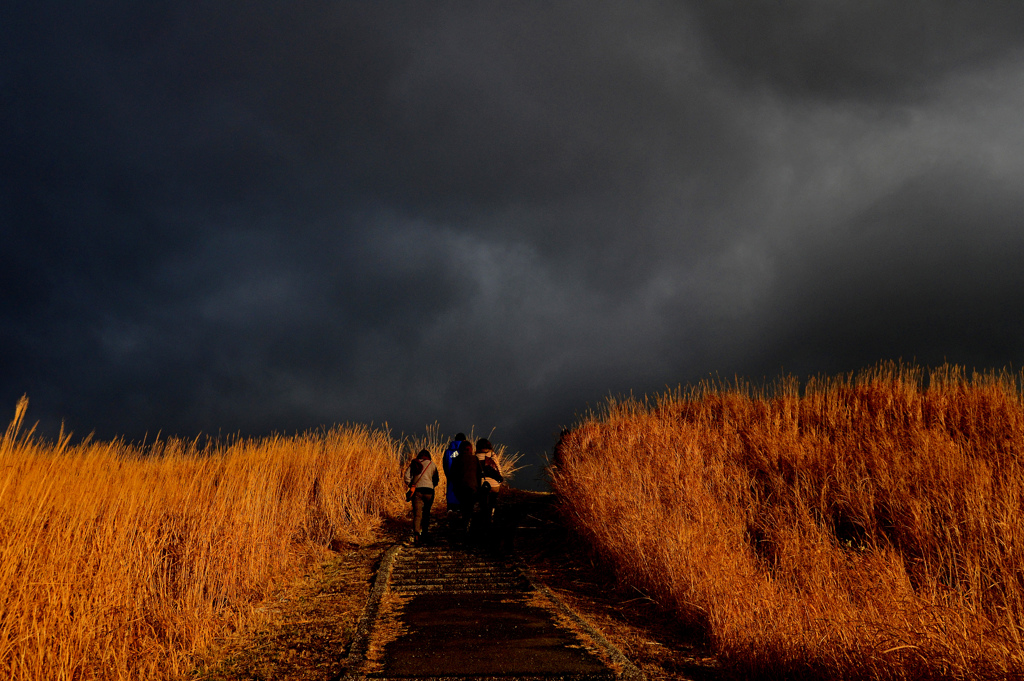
930	272
258	216
871	49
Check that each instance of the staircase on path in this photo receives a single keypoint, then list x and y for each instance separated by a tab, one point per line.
445	612
453	571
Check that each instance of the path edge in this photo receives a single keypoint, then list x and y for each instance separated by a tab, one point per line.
360	642
630	672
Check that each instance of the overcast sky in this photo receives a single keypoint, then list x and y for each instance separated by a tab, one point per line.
255	216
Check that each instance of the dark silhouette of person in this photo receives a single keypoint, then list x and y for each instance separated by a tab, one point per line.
487	494
465	473
451	453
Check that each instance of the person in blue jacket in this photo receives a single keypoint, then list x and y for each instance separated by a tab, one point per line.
465	477
450	454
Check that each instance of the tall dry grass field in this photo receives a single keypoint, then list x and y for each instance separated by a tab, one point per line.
118	562
866	527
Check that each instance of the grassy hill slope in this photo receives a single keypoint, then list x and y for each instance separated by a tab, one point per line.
862	527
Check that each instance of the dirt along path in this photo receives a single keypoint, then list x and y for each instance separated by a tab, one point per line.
531	606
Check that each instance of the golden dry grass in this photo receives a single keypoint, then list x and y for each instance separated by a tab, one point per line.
864	527
119	562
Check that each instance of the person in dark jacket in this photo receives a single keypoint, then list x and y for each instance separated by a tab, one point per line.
451	453
487	495
421	477
465	474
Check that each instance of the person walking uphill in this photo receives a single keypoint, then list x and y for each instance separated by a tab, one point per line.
465	474
490	483
451	453
421	478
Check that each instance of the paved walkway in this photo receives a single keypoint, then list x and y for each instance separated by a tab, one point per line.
444	612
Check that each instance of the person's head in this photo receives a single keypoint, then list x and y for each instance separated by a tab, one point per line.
483	445
460	436
424	455
466	447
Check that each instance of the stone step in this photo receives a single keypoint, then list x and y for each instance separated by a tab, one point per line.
469	589
468	574
439	570
482	579
430	567
472	560
439	586
592	676
426	563
459	578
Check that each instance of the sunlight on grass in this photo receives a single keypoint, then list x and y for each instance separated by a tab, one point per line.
118	562
865	527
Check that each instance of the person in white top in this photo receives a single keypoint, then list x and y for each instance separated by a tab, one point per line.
421	478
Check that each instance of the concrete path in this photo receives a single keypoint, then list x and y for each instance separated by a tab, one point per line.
445	612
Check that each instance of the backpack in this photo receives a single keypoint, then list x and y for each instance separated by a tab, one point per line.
489	473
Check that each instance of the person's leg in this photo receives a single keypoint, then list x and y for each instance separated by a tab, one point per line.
417	512
486	509
477	528
428	502
466	505
452	520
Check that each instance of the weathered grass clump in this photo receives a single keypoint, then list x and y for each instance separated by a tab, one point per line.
118	562
866	527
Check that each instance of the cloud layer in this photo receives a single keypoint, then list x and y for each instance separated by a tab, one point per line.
246	216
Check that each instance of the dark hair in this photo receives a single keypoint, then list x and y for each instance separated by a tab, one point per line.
460	436
465	447
483	445
424	454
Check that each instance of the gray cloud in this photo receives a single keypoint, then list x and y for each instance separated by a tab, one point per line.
249	216
929	272
872	50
